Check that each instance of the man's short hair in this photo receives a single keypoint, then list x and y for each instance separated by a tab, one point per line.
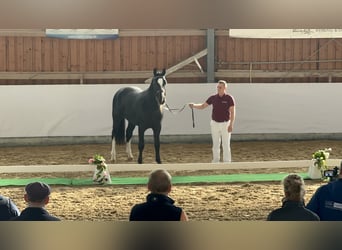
37	191
159	181
294	186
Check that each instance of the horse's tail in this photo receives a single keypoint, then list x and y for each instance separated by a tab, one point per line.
119	132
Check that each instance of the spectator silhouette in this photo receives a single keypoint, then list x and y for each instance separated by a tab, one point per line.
37	197
293	203
326	202
158	206
8	209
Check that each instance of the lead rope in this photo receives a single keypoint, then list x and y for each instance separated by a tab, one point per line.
180	110
193	117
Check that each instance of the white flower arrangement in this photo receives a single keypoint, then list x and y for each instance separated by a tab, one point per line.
320	158
101	173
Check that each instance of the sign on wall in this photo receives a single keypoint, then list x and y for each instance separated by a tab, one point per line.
82	33
286	33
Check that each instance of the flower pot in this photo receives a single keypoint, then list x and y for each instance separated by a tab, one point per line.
314	172
101	175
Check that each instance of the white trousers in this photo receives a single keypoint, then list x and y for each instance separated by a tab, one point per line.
219	133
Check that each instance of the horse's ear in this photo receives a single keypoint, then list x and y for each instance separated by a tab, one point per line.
155	72
163	72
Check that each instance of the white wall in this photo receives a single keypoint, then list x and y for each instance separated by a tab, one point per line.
85	110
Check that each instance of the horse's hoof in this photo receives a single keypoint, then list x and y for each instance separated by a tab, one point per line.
140	161
130	158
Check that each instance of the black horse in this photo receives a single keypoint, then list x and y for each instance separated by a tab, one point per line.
140	108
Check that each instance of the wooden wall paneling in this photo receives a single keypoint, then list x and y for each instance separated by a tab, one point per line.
116	55
90	55
19	55
74	51
186	53
323	53
37	52
107	55
162	46
231	53
134	55
83	55
125	53
338	47
288	54
332	54
238	55
158	58
178	50
266	53
307	54
3	53
64	55
99	55
146	47
140	53
234	48
152	53
143	51
171	58
272	53
256	52
221	53
280	55
199	43
297	56
298	53
246	55
45	56
55	55
11	54
28	54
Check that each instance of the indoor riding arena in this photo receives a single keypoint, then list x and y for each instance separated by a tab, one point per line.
56	113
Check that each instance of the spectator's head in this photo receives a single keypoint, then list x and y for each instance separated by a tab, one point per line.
37	193
294	187
159	182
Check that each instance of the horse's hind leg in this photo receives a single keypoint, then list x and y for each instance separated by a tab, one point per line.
129	133
113	152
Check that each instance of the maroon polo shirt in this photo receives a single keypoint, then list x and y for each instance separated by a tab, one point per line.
221	105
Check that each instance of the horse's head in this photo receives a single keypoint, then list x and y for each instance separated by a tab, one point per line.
158	85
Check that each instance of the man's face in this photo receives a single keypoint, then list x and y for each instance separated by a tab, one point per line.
220	88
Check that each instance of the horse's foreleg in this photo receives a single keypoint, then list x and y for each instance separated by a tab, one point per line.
156	134
113	152
141	144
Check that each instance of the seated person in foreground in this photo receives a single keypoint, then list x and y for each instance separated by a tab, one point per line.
326	202
293	203
158	206
37	196
8	209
